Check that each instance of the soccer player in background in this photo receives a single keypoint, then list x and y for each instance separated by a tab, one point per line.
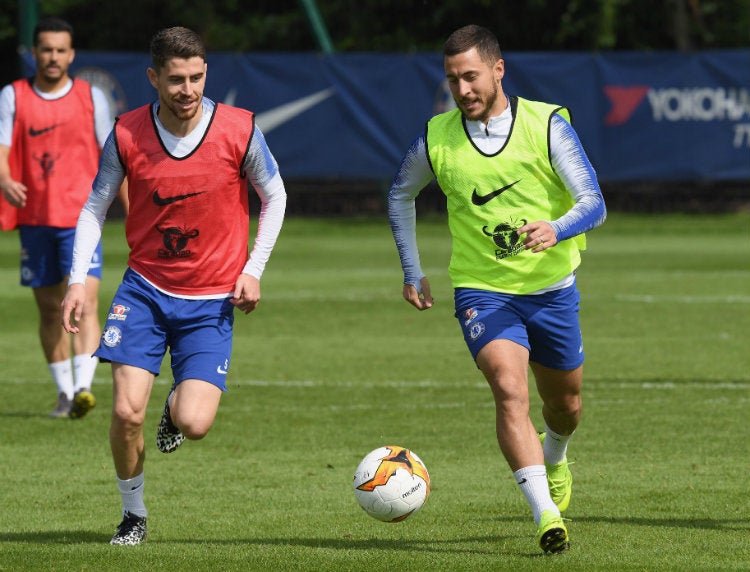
189	163
520	194
52	128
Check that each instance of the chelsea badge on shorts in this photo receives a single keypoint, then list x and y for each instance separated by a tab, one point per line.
476	330
112	336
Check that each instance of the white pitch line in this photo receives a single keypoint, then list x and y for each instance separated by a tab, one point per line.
358	295
358	384
597	385
379	406
684	385
661	299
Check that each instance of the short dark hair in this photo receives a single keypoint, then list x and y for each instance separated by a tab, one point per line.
473	36
176	42
52	24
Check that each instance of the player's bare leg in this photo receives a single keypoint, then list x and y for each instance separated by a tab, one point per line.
189	412
55	344
194	407
87	340
131	390
55	341
561	393
84	345
505	366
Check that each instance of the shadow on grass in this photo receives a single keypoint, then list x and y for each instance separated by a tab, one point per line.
466	546
56	537
459	545
29	415
697	523
346	542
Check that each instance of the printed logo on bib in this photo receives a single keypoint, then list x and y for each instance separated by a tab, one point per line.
480	200
175	241
37	132
164	201
506	238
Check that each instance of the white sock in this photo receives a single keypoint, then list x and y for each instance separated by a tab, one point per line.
62	373
533	483
131	491
555	447
84	366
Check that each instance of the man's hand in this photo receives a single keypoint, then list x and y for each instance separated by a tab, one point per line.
421	301
246	293
72	307
14	192
539	235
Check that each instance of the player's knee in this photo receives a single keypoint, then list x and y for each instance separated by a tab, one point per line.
126	423
50	314
569	404
91	307
508	389
194	429
195	433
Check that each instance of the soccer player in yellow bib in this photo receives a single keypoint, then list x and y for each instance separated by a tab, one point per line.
520	193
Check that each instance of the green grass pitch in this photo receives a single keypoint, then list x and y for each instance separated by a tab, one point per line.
334	363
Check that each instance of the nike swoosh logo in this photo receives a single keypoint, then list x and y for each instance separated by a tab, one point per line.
480	200
164	201
276	117
35	132
221	370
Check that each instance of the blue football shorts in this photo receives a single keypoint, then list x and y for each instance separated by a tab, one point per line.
545	324
47	254
143	323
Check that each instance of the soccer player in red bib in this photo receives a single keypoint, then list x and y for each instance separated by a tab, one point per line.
52	128
189	164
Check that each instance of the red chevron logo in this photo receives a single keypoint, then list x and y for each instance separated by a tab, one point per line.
624	101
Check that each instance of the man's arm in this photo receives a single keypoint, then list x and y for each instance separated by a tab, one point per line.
102	115
103	127
13	191
570	162
413	175
106	187
577	174
263	176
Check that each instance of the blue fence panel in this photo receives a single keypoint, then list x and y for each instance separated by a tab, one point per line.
640	115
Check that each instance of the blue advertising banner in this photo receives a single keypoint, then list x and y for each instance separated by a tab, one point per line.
640	115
